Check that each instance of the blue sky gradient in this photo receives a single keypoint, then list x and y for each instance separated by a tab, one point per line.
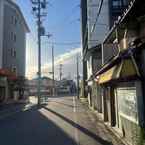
62	22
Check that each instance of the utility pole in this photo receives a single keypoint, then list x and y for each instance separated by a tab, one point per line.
78	77
39	53
60	72
53	70
37	6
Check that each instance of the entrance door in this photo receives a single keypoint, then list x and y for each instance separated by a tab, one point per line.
2	94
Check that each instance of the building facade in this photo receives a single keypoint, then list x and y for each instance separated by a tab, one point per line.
122	77
13	29
46	86
97	19
116	79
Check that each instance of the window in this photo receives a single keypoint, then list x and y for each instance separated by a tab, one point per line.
14	20
119	3
127	103
11	36
13	52
125	2
15	38
116	3
14	69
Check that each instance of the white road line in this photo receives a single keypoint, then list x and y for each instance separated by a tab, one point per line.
74	104
76	136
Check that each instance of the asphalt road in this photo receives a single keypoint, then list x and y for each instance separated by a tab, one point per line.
62	121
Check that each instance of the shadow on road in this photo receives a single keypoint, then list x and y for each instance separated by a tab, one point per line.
32	128
82	129
10	108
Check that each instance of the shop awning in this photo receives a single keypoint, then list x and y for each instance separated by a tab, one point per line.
127	68
6	73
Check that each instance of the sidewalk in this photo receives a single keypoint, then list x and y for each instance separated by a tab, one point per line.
106	129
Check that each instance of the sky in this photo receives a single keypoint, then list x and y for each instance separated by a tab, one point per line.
63	22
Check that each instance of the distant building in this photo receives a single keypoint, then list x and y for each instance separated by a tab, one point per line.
46	86
13	29
66	86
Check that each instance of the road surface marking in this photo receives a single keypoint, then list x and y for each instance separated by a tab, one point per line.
74	104
75	119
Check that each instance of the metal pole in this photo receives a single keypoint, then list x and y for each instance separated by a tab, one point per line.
77	77
37	6
60	72
53	70
39	52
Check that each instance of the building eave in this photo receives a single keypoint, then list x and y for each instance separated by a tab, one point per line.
120	20
90	51
121	56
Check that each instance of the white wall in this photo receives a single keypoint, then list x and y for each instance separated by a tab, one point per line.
89	67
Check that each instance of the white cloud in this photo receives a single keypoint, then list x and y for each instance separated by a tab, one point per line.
68	60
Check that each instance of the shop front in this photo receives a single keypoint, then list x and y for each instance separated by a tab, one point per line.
3	88
3	85
122	97
126	102
6	88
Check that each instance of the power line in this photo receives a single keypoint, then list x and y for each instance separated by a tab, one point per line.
63	43
78	76
60	71
95	23
98	14
67	17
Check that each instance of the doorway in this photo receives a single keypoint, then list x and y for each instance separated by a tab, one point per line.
2	94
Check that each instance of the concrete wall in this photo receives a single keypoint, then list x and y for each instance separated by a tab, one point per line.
133	132
131	129
89	67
